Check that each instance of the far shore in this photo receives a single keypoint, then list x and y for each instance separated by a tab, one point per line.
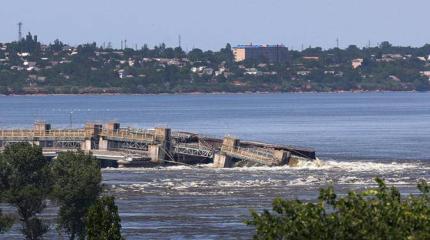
211	93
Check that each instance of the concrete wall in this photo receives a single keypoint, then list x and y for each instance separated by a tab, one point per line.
113	126
86	145
222	161
231	142
41	127
156	154
281	156
162	134
92	129
103	144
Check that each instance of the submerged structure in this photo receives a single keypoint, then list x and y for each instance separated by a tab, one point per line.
130	147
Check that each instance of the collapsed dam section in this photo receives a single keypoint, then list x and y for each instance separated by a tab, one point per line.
132	147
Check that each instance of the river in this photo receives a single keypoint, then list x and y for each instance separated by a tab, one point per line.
357	136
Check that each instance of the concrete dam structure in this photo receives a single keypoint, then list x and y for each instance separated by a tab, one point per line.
130	147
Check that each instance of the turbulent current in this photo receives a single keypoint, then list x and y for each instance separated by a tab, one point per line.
202	202
357	137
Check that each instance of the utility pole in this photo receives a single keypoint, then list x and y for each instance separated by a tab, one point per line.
71	120
125	43
337	42
179	41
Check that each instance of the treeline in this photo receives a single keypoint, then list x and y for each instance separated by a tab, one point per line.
28	66
72	182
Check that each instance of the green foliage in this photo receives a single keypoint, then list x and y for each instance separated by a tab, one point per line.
378	213
6	222
59	68
103	221
77	185
25	184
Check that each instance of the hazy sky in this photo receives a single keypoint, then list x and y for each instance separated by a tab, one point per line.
210	24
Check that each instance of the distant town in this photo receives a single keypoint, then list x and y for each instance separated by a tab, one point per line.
30	67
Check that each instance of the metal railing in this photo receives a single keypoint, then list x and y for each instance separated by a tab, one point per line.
129	134
193	150
22	133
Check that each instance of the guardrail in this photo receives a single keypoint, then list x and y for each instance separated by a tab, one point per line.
21	133
129	134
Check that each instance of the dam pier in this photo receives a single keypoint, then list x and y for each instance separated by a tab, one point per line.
132	147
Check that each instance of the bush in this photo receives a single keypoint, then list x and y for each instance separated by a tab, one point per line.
379	213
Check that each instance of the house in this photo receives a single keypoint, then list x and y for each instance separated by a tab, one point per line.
391	57
330	72
121	73
41	78
394	78
208	71
357	63
425	74
253	72
303	73
311	58
24	54
29	64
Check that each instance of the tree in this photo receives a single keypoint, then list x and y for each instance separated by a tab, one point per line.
103	221
77	185
378	213
5	222
25	183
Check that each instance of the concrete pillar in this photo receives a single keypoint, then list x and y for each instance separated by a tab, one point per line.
281	156
163	137
41	126
162	134
222	161
230	143
103	144
92	129
112	126
86	145
156	154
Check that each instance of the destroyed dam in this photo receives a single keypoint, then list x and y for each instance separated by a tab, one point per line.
129	147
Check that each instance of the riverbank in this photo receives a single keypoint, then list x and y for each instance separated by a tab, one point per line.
211	93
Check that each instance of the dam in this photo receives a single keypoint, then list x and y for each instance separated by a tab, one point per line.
134	147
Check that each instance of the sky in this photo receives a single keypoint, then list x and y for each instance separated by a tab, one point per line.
210	24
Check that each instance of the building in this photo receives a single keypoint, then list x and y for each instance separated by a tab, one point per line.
355	63
266	53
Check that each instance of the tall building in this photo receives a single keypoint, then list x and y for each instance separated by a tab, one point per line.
269	53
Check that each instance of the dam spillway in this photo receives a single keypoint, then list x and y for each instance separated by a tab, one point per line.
151	147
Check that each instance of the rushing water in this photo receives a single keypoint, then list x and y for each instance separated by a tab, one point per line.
358	136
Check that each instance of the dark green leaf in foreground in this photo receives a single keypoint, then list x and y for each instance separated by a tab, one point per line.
378	213
103	221
77	185
5	222
25	184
